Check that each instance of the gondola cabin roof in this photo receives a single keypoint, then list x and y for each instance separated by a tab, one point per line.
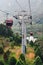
9	21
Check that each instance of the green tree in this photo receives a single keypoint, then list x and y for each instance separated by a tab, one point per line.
17	38
1	63
5	31
12	61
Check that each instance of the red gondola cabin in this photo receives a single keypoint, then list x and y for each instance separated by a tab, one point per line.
9	23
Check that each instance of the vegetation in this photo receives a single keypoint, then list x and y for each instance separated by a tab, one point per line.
8	33
22	57
5	31
1	63
12	61
17	39
32	57
1	50
10	49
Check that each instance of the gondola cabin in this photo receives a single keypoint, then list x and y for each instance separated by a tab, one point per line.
9	23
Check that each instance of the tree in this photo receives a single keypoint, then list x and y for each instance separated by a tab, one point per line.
17	38
5	31
1	63
13	61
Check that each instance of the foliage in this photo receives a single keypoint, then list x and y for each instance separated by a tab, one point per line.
3	44
31	43
21	60
5	57
22	57
37	51
12	44
17	39
11	39
1	63
36	48
5	31
12	61
1	50
20	63
40	40
8	52
38	61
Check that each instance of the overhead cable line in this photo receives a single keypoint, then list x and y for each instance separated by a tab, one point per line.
18	4
30	11
29	6
4	12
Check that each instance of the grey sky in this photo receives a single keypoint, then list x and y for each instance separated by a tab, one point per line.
11	6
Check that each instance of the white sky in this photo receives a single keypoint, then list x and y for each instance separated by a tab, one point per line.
11	6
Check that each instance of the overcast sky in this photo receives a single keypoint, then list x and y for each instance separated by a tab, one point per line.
11	6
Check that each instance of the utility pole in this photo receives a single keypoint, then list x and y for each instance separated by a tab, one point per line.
24	30
23	36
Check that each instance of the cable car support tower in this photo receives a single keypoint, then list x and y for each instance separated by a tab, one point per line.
23	23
